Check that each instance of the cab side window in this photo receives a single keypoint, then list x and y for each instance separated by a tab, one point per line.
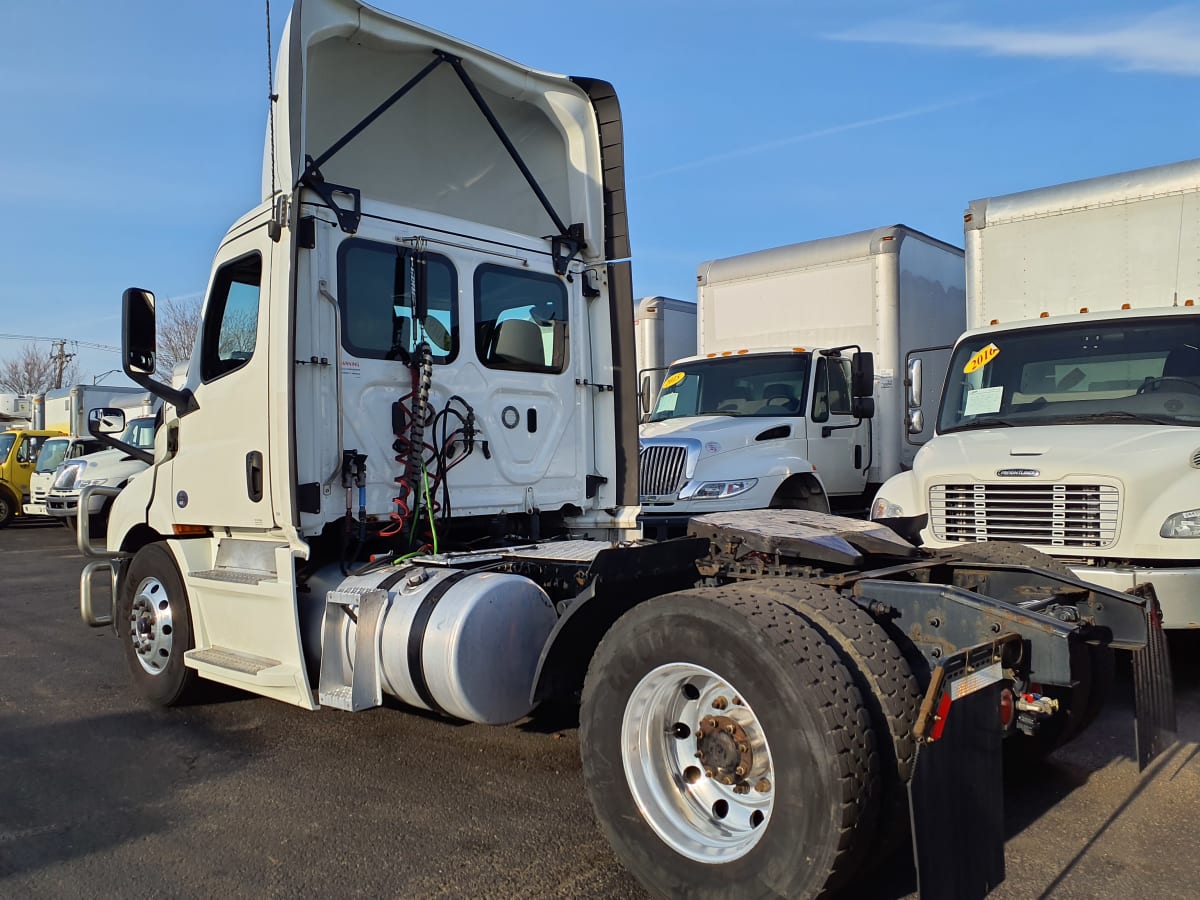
520	320
831	388
231	319
28	451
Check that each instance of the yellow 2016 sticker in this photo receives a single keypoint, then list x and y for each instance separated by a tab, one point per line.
673	380
981	359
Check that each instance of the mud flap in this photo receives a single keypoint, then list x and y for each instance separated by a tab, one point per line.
956	794
1153	686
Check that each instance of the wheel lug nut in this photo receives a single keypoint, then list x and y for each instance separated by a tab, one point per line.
741	788
720	703
700	755
729	729
727	779
709	773
743	748
763	786
739	771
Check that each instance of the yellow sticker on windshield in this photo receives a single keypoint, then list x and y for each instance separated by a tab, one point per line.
673	380
981	359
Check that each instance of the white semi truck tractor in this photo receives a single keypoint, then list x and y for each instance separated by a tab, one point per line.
795	398
1070	417
418	477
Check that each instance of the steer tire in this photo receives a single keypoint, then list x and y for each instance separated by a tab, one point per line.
885	681
656	682
1094	664
8	509
152	612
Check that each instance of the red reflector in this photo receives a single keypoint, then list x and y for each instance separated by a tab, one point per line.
939	722
1006	707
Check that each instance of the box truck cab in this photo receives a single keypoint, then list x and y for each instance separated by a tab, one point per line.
55	451
795	399
19	450
1070	418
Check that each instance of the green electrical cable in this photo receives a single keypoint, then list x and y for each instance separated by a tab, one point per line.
429	507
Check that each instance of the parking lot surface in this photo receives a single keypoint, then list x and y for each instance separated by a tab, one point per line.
240	796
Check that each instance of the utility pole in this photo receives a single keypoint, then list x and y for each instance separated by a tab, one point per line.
60	357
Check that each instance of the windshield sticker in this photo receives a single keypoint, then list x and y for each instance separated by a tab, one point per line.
984	401
666	403
981	359
673	380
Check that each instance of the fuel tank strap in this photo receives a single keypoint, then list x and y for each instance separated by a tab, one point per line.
416	637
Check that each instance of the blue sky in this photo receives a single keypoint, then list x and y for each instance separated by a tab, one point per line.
133	129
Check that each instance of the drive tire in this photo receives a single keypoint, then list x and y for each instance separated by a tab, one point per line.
885	681
152	612
821	801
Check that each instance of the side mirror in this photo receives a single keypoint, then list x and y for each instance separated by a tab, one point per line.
862	376
645	395
914	386
916	421
862	407
138	358
106	420
137	333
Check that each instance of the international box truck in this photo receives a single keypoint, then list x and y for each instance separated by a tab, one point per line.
1070	417
772	413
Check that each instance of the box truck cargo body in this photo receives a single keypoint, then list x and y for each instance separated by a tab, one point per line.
765	414
664	330
1070	419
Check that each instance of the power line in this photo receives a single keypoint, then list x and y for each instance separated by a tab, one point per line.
55	340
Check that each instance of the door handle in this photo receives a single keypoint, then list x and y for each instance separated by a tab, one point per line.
254	475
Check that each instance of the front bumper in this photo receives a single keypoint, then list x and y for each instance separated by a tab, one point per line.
1178	590
34	509
64	504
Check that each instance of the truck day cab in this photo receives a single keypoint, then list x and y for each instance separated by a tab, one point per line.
782	407
415	474
1070	418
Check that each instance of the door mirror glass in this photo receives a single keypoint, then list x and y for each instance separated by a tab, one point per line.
863	408
862	375
106	420
645	395
914	385
137	332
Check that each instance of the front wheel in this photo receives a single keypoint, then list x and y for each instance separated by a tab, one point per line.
726	749
155	626
8	509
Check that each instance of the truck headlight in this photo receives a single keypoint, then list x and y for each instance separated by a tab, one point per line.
883	508
719	490
1184	524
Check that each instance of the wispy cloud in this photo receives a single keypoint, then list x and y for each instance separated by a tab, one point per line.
1162	41
767	146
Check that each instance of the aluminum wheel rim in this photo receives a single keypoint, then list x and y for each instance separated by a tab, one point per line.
151	629
681	794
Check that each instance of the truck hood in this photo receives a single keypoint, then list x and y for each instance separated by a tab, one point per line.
1059	451
433	150
720	434
109	464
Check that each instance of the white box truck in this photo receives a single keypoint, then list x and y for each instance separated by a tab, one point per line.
664	330
66	410
404	462
768	414
1070	418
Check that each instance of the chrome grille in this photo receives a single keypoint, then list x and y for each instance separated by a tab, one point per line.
1055	515
660	470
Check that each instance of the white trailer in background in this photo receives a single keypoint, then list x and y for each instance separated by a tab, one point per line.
16	411
1070	420
767	415
664	330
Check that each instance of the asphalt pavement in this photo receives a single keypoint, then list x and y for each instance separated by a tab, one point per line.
238	796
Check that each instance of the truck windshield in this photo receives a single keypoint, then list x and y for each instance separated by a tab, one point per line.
54	451
140	433
767	385
1138	370
6	442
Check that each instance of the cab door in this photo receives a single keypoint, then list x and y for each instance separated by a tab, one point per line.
219	473
837	442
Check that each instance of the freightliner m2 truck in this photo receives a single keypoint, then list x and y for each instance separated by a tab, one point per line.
419	479
795	398
1070	418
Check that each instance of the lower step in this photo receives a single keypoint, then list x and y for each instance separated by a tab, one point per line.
242	667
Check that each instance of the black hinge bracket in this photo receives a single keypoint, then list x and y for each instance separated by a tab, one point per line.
583	382
592	484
